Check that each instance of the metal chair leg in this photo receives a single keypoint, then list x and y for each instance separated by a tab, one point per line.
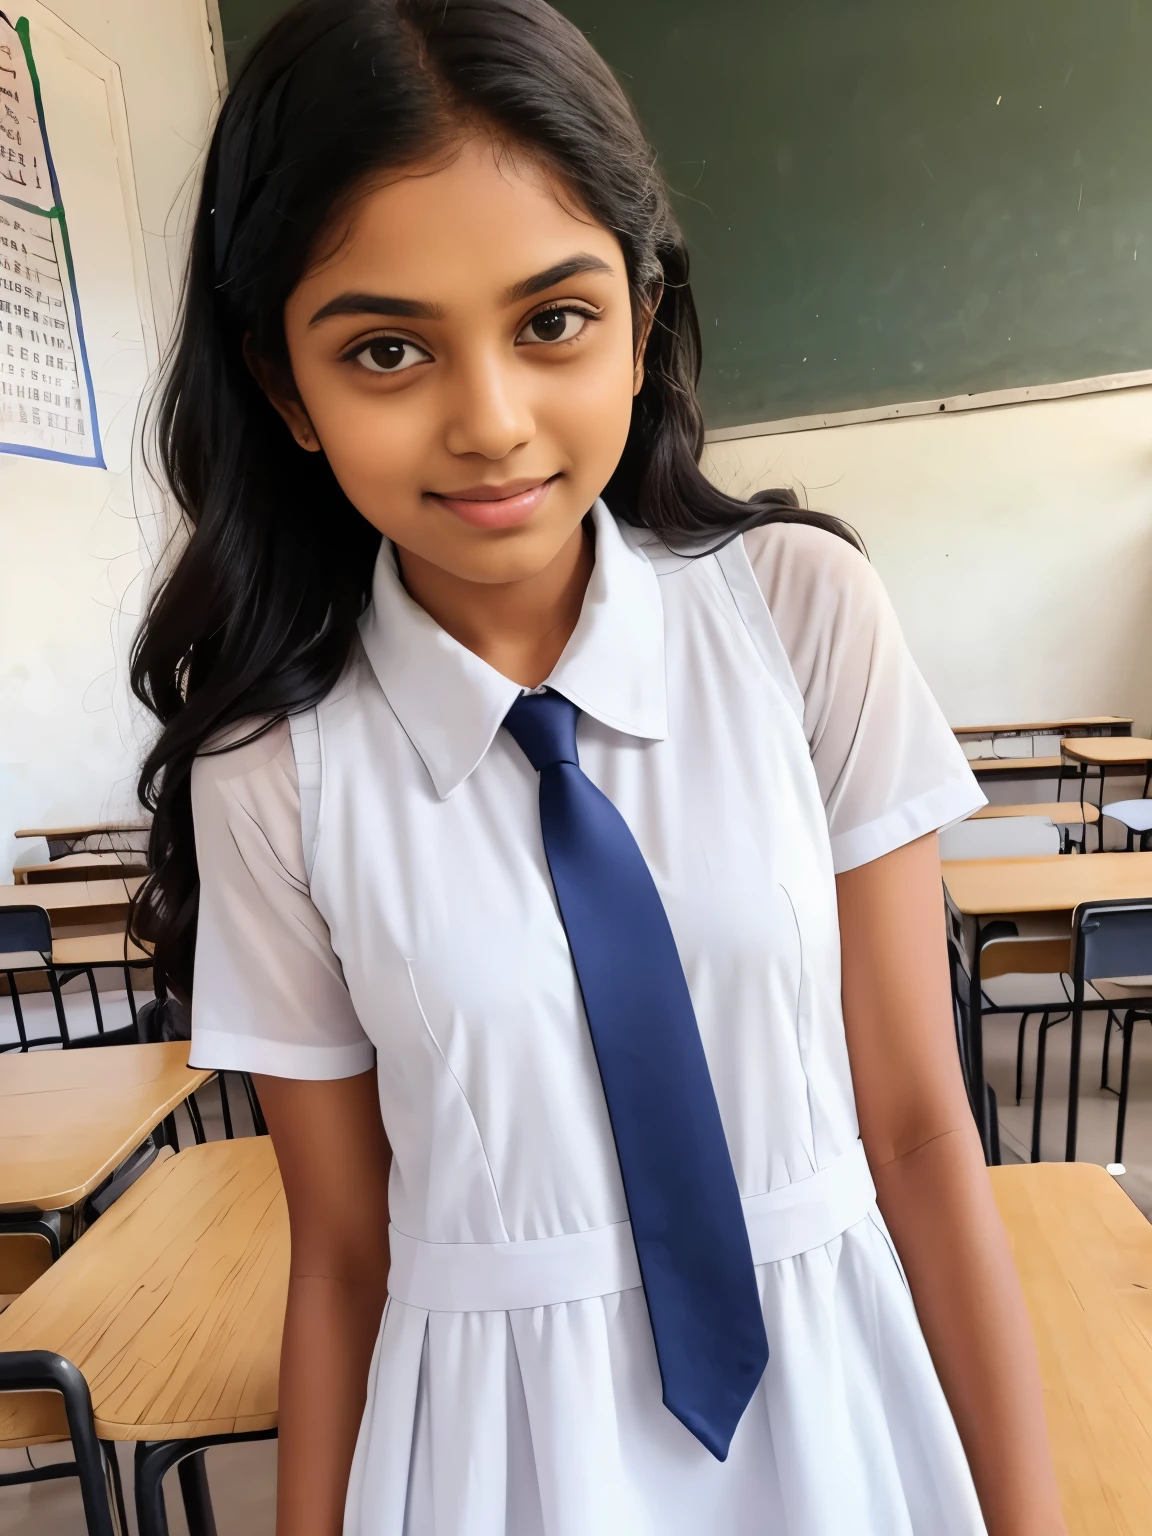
17	1011
1024	1017
156	1458
1125	1067
193	1109
1038	1100
39	1370
197	1500
116	1486
1108	1023
258	1124
225	1107
1074	1080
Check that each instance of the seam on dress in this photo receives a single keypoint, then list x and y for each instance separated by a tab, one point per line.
463	1095
802	1054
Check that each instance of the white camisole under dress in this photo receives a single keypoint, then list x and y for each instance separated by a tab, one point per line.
374	893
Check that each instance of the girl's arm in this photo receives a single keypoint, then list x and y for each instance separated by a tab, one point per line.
334	1161
932	1186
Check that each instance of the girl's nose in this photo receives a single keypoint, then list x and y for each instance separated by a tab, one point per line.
490	413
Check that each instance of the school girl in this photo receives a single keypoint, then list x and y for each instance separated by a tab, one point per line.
552	836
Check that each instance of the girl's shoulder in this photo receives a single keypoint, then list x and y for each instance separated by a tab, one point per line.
246	795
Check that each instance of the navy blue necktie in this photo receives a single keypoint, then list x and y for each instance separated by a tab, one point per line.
683	1200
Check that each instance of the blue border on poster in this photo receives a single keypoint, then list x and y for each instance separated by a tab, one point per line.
95	459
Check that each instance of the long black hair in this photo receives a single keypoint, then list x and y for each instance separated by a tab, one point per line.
257	616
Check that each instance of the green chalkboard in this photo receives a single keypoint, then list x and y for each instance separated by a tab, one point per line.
892	200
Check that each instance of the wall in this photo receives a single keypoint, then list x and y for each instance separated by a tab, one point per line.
129	88
1016	544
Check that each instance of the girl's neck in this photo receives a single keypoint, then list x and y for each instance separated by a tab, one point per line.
519	628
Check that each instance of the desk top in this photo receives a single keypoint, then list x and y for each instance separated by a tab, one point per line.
1055	810
75	901
85	829
1084	1254
1040	727
68	1118
1107	749
1056	882
99	949
204	1237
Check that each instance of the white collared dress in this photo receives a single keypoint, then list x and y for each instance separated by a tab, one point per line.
374	893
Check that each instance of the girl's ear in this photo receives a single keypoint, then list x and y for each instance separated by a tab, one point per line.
643	331
285	402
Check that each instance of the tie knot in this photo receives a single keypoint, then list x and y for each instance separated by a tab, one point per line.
543	726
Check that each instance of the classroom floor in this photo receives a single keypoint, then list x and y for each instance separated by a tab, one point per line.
243	1477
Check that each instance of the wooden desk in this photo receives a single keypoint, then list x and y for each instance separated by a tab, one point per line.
988	889
99	949
81	866
1101	725
1084	1255
1057	882
68	1118
1011	768
72	902
1108	755
1108	751
1068	812
203	1238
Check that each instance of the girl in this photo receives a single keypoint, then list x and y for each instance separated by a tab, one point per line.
553	836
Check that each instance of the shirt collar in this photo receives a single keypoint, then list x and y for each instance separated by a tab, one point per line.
451	703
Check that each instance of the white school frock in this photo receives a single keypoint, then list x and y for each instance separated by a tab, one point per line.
374	891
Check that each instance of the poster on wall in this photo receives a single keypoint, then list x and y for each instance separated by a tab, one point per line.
47	407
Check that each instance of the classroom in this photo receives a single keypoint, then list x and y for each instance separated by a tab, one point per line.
800	1180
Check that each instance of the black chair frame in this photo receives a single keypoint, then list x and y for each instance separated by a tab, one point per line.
95	1463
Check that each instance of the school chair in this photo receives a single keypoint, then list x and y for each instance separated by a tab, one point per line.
1136	817
26	948
981	956
1112	955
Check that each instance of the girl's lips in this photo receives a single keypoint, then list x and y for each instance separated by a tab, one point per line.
500	511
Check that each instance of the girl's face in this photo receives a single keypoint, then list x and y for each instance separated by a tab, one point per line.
466	360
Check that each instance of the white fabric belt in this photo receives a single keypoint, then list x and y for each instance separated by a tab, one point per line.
502	1277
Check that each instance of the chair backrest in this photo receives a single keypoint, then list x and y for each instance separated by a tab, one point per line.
1113	938
1000	837
24	930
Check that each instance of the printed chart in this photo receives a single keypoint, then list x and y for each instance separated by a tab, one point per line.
47	408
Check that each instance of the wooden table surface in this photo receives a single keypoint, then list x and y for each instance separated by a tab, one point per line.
1055	810
1084	1254
69	902
172	1304
1041	727
68	1118
99	949
84	829
1106	751
1057	882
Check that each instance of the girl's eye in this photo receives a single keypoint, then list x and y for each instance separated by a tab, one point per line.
552	325
389	354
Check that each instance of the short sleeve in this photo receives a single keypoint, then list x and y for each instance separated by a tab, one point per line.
268	991
889	768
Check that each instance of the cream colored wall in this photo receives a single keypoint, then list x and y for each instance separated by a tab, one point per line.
129	88
1016	544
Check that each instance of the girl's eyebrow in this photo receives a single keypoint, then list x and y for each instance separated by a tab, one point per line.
561	272
416	309
377	304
